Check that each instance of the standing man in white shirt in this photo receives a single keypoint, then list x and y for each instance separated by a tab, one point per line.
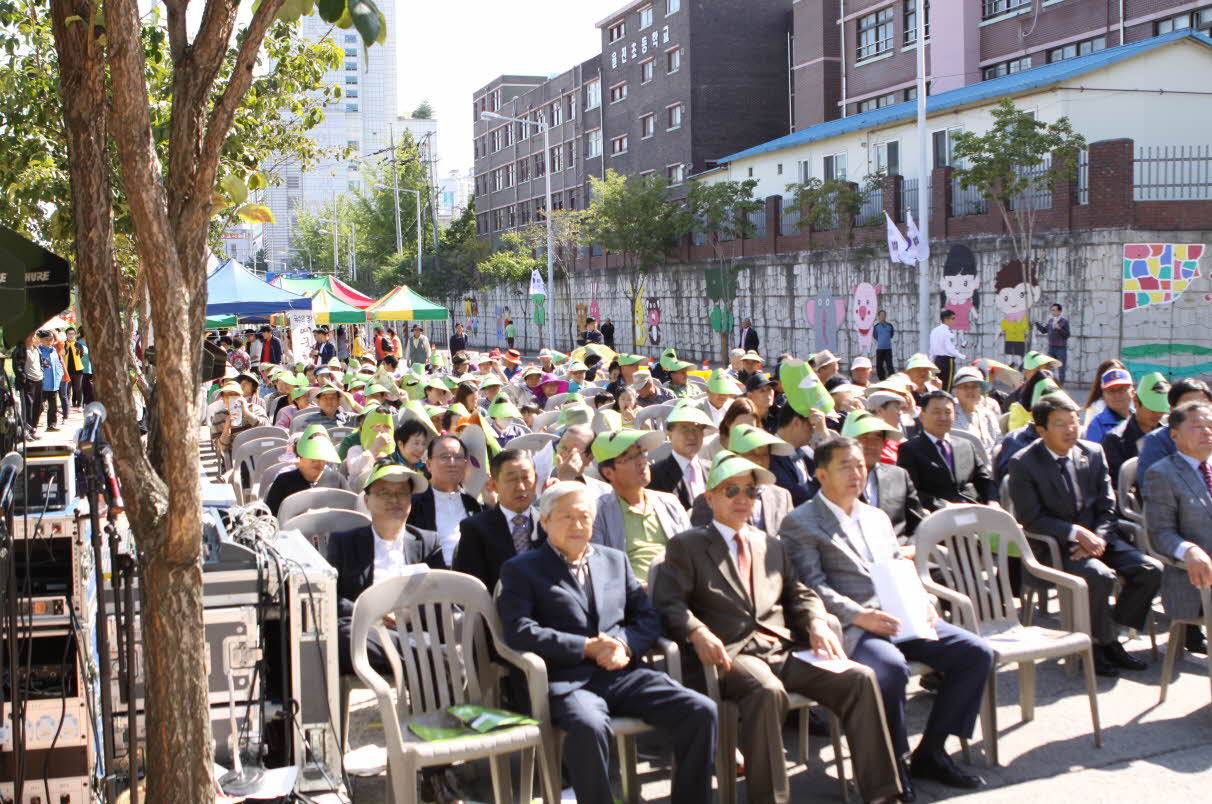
942	348
444	504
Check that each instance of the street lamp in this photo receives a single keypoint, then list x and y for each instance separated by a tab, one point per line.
417	194
541	126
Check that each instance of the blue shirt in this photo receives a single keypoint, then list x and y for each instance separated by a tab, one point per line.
883	335
52	368
1102	424
1156	445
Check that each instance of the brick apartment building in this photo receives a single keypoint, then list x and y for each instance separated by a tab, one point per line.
677	84
852	56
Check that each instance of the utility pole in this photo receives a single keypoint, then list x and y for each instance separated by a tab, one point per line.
395	182
923	190
336	213
416	193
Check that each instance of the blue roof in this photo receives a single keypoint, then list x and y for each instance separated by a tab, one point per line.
1034	78
233	290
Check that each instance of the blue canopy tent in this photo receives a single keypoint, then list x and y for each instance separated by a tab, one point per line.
234	290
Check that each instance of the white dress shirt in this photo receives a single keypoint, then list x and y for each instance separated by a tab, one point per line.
390	557
716	414
449	511
942	342
729	535
867	527
697	468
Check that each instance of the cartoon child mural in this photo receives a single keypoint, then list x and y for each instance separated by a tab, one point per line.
863	307
959	285
654	321
1016	292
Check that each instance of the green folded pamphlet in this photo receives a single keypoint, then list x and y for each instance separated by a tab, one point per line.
474	720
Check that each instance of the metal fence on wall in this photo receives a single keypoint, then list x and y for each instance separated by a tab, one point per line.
1172	173
871	211
909	198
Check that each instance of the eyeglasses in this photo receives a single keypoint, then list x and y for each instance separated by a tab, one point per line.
389	496
752	492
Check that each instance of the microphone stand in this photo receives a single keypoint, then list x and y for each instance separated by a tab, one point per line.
12	629
94	481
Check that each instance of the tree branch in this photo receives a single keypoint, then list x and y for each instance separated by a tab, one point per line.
177	41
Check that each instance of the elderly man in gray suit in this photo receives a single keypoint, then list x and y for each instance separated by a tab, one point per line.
630	517
833	539
1178	511
730	591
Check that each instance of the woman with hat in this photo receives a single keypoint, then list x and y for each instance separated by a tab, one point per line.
505	416
234	414
317	458
250	387
972	415
376	440
300	399
741	411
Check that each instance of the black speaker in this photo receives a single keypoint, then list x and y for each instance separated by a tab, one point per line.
35	286
214	361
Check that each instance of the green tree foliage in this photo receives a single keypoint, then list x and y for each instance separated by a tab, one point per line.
721	211
567	234
634	216
423	112
1015	163
833	204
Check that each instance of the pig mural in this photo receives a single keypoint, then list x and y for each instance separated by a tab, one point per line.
863	307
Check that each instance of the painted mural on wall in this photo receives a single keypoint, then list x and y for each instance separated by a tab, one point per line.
863	308
501	312
825	316
959	290
720	284
1158	273
653	319
637	314
594	309
1016	292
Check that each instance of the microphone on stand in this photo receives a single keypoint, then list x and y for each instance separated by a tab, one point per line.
10	470
115	503
86	439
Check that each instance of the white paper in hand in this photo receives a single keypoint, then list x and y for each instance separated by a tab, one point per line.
822	661
901	594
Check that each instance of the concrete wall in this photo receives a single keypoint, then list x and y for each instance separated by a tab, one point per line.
1083	271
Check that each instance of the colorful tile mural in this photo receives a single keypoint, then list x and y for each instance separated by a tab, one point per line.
1158	273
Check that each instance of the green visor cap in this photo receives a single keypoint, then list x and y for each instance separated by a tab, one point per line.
745	438
1034	360
688	412
503	408
605	421
576	365
920	360
631	360
1043	389
450	383
1154	392
861	422
371	420
612	444
398	473
298	392
375	388
459	410
490	381
436	382
297	380
529	370
804	390
669	357
231	388
575	413
334	363
727	465
677	365
721	383
316	445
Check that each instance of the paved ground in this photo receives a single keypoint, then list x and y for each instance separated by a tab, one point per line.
1150	752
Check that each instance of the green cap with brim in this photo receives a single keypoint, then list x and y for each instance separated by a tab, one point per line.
746	438
459	409
577	413
297	380
575	366
490	381
371	420
231	388
861	422
609	445
436	383
529	370
415	410
298	392
450	384
316	445
434	411
722	383
604	421
920	360
631	360
669	357
503	408
1043	389
334	363
357	385
375	388
677	365
1034	360
1154	392
727	465
398	473
688	412
804	390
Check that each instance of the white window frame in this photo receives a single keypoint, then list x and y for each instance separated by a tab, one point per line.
647	68
647	126
882	19
681	111
672	52
832	159
676	174
648	11
593	137
622	138
621	97
617	31
880	159
593	94
672	7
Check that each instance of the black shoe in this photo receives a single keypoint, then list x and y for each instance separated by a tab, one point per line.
52	429
1195	642
436	788
1115	654
818	724
931	682
907	794
1103	666
938	767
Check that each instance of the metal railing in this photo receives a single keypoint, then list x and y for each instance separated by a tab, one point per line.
871	211
757	222
1172	173
1083	177
1038	196
789	220
909	199
967	201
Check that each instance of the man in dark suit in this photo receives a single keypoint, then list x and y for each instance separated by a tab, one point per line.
444	505
511	527
682	473
944	469
749	340
581	609
1178	508
796	472
730	590
1060	488
887	487
833	541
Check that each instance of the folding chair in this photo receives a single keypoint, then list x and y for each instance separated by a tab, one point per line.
315	498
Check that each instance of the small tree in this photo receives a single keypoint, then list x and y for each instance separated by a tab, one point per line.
635	217
423	112
567	233
721	211
833	203
1014	163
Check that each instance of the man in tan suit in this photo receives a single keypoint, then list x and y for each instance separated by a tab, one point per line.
733	594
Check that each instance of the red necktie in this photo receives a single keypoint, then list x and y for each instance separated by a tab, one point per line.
743	562
1206	469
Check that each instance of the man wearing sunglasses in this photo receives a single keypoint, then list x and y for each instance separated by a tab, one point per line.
731	592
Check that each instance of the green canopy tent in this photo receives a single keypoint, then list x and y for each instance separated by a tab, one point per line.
221	321
328	309
403	304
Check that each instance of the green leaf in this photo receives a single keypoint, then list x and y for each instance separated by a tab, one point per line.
345	22
257	181
236	190
255	213
331	10
367	19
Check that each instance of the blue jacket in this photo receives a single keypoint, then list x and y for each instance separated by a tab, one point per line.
1155	446
52	368
1102	424
545	611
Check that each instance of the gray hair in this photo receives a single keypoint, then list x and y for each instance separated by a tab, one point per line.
736	353
560	490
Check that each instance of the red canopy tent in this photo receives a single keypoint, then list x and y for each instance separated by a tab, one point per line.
336	287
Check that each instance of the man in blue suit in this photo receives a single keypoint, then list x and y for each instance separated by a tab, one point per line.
581	609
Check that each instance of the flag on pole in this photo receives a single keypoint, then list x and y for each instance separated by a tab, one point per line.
918	249
537	286
898	247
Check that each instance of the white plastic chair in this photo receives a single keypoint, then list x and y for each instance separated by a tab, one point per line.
652	417
447	621
318	523
266	431
315	498
956	542
266	478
